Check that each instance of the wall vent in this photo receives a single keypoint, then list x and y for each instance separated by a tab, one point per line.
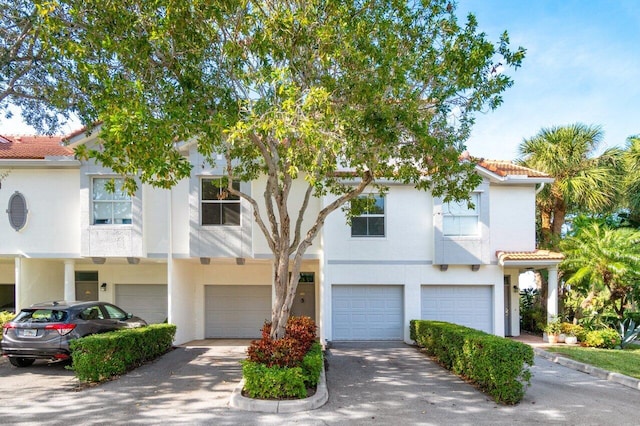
17	211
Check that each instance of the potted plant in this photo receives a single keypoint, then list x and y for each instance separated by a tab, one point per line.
571	339
553	330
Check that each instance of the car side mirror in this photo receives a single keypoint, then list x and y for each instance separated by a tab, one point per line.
129	315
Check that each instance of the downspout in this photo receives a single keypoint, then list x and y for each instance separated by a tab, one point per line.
540	188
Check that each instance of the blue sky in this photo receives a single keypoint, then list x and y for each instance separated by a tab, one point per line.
582	65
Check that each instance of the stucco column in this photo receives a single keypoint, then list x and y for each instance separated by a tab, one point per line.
552	297
17	276
69	280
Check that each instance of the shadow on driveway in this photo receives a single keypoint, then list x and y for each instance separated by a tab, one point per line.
369	382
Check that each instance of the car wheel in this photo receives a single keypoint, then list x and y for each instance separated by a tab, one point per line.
21	362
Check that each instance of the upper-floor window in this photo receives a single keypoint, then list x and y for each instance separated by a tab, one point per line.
110	207
371	222
459	219
219	207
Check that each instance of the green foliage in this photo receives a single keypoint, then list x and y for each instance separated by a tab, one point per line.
499	366
312	365
625	361
5	317
628	332
583	181
603	260
574	330
32	76
606	338
300	334
553	327
98	357
293	92
275	382
631	159
533	313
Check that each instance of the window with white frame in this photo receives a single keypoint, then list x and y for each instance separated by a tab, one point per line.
219	207
370	223
110	208
459	219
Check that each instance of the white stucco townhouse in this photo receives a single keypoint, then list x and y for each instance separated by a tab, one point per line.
185	256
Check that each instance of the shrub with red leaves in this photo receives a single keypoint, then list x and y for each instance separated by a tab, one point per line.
286	352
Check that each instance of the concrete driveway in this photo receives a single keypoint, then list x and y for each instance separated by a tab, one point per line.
376	382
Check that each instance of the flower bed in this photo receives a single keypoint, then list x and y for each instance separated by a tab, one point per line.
285	368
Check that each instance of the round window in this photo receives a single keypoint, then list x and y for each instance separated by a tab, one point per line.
17	211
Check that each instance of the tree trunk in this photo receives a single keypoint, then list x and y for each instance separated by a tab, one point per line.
545	228
559	213
284	287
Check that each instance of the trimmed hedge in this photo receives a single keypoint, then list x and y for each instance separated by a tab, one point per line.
275	382
99	357
499	366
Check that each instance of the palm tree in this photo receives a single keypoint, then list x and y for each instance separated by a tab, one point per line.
598	258
583	182
632	178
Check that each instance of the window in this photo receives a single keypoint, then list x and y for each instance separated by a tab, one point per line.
110	207
459	219
116	313
218	206
371	222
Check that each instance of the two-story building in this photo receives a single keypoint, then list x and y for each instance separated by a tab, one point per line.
193	256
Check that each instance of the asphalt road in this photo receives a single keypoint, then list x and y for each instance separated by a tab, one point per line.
369	383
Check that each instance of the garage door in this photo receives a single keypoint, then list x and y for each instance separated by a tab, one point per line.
148	301
236	311
367	312
470	306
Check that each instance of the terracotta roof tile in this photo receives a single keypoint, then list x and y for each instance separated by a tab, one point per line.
505	168
529	255
28	147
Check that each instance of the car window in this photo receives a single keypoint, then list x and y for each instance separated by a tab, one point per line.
41	315
92	313
115	312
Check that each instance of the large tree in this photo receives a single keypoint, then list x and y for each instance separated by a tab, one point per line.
290	90
584	181
600	259
33	76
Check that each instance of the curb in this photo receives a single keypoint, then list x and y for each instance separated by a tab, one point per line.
288	406
627	381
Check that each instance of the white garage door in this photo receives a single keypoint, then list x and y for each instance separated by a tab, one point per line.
367	312
148	301
466	305
236	311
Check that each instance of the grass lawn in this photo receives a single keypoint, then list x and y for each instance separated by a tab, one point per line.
625	361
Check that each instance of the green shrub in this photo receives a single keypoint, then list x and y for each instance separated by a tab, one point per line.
5	317
499	366
606	338
289	351
276	382
312	365
574	330
273	382
99	357
635	316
